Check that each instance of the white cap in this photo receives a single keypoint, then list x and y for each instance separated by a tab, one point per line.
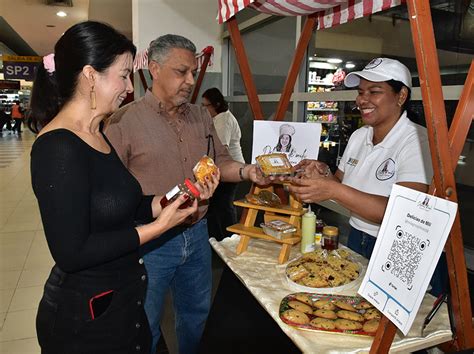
380	69
287	129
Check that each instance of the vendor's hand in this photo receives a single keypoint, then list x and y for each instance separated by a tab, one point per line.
312	169
171	215
312	190
256	176
209	186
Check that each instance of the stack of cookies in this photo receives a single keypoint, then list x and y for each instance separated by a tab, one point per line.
320	269
330	313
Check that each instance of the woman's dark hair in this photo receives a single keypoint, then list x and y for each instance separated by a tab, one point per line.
397	87
215	98
87	43
279	146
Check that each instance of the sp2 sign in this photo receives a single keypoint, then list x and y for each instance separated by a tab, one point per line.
20	67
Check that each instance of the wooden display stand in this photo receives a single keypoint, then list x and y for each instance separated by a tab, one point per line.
290	213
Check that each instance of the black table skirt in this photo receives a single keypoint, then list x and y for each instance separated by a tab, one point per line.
238	324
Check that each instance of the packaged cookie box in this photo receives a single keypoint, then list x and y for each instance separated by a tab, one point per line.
276	164
330	313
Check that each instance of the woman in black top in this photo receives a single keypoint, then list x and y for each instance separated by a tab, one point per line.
89	202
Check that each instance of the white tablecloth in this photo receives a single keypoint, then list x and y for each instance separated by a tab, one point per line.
259	271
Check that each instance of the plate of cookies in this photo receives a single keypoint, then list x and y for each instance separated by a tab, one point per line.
330	313
322	270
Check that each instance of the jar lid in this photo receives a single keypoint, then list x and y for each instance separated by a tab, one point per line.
330	230
192	188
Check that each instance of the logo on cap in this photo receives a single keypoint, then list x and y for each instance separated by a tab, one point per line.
373	63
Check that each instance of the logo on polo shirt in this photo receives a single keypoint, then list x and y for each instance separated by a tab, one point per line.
386	170
353	162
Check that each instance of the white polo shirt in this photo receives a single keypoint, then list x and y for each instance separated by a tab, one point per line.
402	156
229	134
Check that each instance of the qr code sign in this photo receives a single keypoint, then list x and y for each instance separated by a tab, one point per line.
405	255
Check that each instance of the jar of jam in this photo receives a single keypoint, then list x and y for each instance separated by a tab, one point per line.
330	238
187	188
319	232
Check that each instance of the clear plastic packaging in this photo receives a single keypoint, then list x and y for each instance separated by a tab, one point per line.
278	229
204	168
264	198
275	165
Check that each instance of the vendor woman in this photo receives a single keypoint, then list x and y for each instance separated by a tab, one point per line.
388	149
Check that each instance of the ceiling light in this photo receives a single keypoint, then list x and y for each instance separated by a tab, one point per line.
350	66
334	61
61	14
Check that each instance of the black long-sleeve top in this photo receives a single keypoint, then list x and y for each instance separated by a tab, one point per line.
88	202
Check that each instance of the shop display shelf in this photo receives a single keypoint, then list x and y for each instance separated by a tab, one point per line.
320	83
323	109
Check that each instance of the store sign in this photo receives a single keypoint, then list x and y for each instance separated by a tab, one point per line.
20	67
414	230
9	85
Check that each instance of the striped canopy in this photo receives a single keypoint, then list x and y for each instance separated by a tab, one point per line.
330	12
141	58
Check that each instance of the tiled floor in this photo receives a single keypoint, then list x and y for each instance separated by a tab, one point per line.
24	257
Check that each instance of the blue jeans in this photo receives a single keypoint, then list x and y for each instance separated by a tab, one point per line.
180	259
361	242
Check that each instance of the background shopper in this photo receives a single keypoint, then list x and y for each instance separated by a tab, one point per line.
222	213
17	116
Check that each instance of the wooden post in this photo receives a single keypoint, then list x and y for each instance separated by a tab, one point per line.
295	66
241	57
463	118
445	186
384	337
202	71
142	79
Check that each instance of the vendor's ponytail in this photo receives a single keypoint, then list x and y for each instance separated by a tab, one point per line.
411	114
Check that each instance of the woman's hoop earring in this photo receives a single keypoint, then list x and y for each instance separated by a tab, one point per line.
93	101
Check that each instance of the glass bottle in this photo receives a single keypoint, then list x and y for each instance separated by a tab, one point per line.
187	188
330	239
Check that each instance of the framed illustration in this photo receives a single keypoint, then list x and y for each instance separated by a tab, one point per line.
297	140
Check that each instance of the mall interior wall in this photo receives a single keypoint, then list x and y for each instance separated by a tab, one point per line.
194	19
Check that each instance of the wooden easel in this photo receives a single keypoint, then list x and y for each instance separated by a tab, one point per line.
290	213
445	150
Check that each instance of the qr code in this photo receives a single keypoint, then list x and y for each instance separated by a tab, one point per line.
405	256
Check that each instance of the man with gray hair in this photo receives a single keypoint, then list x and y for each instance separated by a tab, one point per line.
160	137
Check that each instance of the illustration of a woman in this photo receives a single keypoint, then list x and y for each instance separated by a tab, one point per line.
284	140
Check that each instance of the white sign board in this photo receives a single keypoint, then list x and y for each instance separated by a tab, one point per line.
297	140
414	230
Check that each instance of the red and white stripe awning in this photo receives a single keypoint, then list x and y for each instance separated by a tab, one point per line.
141	58
330	12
